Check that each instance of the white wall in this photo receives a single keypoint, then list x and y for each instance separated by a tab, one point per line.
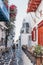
2	32
38	18
9	43
25	39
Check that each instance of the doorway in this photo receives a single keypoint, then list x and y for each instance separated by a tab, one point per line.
40	34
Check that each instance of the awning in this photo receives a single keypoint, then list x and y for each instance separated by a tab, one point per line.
4	13
33	5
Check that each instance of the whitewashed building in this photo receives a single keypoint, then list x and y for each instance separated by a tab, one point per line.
4	17
35	13
25	34
2	33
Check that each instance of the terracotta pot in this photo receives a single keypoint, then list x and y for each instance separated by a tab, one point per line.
42	60
38	60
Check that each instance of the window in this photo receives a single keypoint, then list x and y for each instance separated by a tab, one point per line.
27	30
27	25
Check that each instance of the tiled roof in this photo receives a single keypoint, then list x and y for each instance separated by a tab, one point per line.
33	5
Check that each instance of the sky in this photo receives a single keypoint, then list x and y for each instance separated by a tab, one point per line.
21	14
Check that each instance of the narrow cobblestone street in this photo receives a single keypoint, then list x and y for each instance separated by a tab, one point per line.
16	57
21	32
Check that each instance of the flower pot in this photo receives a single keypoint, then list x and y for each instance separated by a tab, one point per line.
38	60
42	60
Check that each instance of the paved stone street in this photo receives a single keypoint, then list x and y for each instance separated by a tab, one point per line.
16	57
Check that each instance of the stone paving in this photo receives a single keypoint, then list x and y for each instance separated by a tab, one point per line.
17	57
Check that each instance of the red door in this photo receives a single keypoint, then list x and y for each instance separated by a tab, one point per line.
40	35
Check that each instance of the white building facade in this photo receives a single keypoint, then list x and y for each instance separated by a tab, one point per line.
25	34
2	33
37	23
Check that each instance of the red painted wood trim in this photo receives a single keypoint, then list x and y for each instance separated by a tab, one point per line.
40	24
34	34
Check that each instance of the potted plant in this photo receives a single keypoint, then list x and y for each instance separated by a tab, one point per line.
42	54
37	53
37	50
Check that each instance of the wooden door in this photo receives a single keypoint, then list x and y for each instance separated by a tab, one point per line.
40	35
